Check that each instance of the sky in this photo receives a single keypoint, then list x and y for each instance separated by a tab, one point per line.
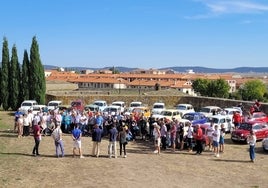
139	33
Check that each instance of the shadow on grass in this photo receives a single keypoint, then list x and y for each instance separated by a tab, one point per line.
9	135
232	160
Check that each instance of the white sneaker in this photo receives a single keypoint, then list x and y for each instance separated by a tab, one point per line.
155	151
125	156
82	157
218	155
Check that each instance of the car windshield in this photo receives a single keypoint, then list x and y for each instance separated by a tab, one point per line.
245	126
135	105
110	110
26	104
98	103
206	110
166	113
181	107
158	106
117	104
215	120
53	104
190	117
258	115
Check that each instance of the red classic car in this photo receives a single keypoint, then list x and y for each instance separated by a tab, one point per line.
258	116
243	131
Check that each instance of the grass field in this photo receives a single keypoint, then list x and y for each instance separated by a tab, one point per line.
141	168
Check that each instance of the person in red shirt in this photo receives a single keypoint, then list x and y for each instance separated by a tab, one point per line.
237	120
199	139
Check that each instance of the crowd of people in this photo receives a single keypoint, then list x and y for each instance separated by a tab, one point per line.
118	128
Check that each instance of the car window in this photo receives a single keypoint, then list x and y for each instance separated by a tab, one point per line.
206	110
222	121
245	126
189	117
180	107
257	127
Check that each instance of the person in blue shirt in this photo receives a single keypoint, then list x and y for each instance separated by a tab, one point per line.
96	138
76	136
99	120
113	133
17	115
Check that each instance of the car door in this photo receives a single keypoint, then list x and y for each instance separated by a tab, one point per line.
258	131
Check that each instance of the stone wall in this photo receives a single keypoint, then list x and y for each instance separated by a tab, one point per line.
170	101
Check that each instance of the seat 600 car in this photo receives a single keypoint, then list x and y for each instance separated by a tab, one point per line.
195	117
241	134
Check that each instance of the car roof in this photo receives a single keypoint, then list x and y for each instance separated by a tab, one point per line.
211	107
118	102
29	101
255	122
54	101
136	102
184	104
158	103
100	101
219	116
171	110
194	113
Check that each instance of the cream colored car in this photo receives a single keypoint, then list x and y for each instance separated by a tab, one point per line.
169	114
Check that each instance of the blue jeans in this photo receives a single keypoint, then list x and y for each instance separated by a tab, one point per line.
59	144
252	152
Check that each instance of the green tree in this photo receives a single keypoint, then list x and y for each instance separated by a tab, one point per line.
201	86
25	76
4	75
14	80
211	88
0	87
253	89
37	75
220	88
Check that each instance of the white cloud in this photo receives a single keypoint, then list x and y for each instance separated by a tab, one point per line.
221	7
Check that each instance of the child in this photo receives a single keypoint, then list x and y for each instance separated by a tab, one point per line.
222	134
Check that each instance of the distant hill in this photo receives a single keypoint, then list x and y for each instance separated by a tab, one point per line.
196	69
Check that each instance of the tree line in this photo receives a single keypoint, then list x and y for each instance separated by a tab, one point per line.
24	81
250	90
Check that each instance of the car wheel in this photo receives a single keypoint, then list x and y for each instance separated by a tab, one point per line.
234	141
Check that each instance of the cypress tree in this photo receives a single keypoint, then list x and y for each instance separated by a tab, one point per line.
14	80
37	74
0	87
25	76
4	75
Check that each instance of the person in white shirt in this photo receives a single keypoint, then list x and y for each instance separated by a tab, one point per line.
216	139
190	137
252	142
57	136
210	130
26	125
157	137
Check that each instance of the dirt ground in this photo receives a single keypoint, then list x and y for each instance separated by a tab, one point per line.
141	168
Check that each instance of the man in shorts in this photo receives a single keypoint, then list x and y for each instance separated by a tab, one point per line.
216	140
76	135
